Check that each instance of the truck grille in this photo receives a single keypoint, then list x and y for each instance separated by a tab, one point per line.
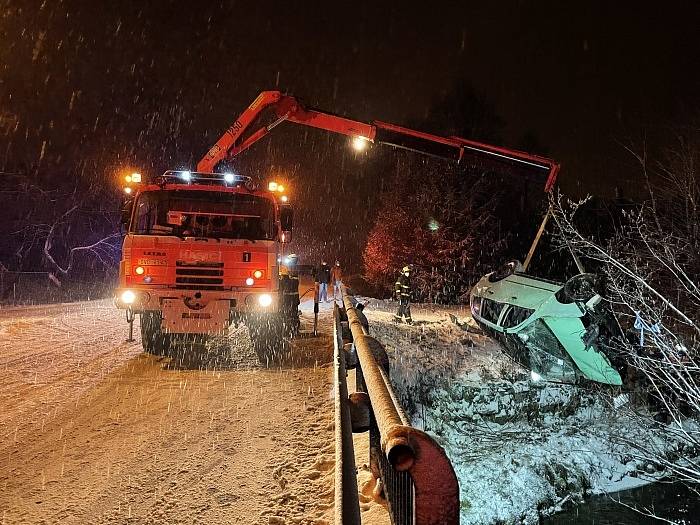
199	276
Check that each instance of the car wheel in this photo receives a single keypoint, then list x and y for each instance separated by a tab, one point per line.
505	270
581	288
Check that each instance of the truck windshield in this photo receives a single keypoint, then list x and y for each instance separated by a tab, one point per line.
191	213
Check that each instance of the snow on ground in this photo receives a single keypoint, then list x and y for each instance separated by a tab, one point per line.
521	449
94	431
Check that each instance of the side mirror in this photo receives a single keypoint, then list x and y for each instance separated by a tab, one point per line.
127	208
286	221
286	218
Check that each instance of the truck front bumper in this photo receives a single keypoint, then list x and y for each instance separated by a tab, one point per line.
239	302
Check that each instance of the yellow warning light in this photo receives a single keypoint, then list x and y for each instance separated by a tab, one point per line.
272	186
135	177
258	274
127	178
139	270
280	188
127	190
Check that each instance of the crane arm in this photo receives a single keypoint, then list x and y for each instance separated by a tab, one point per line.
288	108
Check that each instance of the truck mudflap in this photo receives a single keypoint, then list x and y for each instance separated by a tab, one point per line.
180	318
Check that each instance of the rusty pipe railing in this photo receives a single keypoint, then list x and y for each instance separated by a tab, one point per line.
434	494
396	447
383	372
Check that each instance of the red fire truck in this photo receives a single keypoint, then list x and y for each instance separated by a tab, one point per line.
201	252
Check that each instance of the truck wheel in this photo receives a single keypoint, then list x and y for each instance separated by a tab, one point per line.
266	334
153	339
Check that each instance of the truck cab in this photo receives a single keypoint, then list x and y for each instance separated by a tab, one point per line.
201	252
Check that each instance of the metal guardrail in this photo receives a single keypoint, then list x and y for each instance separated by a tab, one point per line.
415	475
347	505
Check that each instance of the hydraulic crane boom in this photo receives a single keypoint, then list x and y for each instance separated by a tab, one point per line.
288	108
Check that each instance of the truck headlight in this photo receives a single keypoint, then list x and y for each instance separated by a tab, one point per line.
265	300
128	297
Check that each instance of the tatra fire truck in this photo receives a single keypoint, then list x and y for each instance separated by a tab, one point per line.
202	248
201	252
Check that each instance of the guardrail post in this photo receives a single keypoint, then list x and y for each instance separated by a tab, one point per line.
315	308
360	412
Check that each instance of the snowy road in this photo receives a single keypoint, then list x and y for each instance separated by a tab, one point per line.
94	431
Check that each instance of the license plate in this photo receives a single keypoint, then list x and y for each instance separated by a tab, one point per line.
179	319
152	262
195	315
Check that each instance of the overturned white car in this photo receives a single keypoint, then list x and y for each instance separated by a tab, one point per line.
557	330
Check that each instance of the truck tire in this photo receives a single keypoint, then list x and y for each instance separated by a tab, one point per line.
266	335
153	339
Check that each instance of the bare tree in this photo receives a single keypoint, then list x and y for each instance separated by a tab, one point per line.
103	250
650	266
57	229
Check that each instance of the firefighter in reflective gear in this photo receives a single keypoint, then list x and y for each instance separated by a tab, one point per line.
403	295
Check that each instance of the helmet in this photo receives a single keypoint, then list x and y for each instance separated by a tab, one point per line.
406	269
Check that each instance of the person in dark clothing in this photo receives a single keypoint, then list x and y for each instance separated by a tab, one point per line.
337	280
323	276
403	295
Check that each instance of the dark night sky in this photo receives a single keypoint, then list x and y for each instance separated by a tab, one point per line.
153	84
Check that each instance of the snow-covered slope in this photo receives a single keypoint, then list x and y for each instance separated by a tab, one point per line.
520	448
